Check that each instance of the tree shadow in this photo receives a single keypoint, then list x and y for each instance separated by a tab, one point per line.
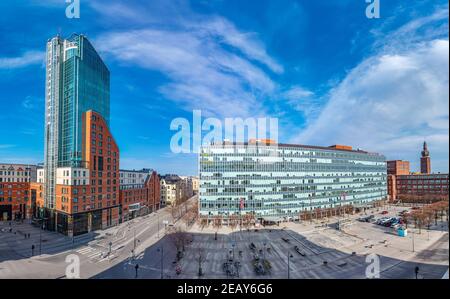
308	259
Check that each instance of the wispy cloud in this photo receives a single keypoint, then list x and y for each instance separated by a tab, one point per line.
413	33
390	104
246	42
304	101
209	63
31	102
26	59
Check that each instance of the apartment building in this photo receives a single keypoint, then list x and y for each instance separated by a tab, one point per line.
171	189
15	180
139	193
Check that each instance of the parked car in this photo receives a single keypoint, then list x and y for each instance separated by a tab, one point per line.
384	212
382	220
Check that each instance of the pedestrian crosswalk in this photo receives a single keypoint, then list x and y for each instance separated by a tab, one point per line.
90	252
96	255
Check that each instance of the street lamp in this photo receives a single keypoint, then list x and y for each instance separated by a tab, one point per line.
40	237
289	264
136	268
158	223
232	245
161	249
134	239
264	251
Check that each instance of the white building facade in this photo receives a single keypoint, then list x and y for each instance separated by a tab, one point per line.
281	181
18	173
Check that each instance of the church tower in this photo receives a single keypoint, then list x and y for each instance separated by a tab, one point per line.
425	163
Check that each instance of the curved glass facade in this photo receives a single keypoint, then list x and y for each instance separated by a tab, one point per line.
283	180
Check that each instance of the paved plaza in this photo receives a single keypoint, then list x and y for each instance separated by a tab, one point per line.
316	249
309	249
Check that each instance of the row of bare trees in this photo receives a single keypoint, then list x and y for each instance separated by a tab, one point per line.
180	239
428	215
179	208
233	221
322	213
191	214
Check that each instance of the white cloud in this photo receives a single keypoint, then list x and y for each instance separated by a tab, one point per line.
297	93
390	104
209	63
202	73
28	58
245	42
421	29
303	100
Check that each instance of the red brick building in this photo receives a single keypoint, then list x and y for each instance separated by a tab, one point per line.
426	186
139	193
15	182
398	167
87	196
422	185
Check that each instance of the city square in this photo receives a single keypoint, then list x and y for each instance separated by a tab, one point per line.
307	250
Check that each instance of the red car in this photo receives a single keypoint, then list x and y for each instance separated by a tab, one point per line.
384	212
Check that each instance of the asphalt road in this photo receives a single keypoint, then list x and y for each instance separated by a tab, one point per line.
92	250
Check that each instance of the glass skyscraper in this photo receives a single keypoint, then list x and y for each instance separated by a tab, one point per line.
280	181
77	80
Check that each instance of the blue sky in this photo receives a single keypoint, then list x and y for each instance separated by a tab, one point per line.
329	74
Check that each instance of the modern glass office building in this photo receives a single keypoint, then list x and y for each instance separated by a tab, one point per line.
279	181
77	80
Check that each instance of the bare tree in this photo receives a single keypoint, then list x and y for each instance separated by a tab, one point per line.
247	220
217	221
179	238
233	221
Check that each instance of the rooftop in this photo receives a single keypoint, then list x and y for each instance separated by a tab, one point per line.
337	147
143	170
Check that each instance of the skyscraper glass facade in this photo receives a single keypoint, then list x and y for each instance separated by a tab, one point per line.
284	180
85	87
77	81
